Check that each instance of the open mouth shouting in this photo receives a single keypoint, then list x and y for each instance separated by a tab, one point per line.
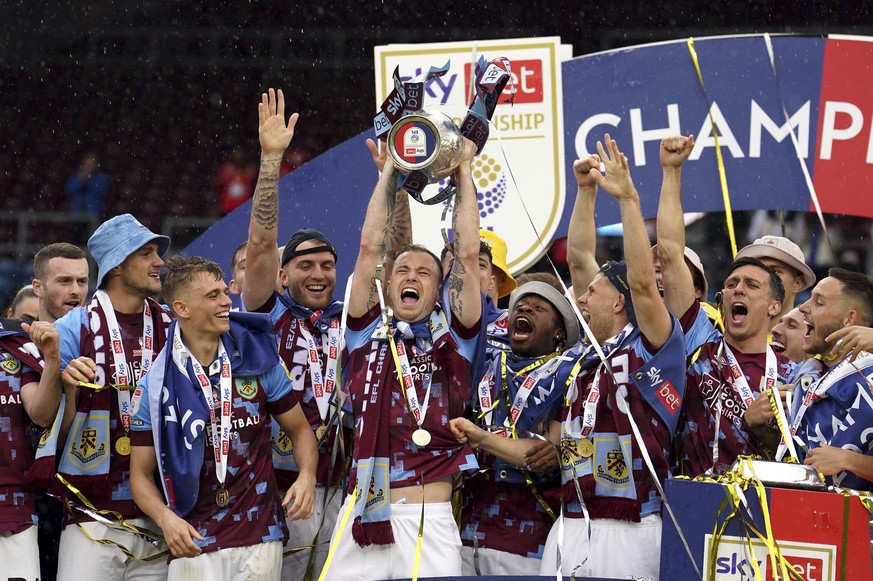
739	312
408	296
522	328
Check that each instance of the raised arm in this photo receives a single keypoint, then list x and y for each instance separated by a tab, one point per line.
398	232
262	254
465	296
652	316
363	295
582	232
678	285
41	400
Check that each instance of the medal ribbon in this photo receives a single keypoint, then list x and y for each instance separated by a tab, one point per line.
485	401
220	432
404	374
123	372
589	413
323	383
738	380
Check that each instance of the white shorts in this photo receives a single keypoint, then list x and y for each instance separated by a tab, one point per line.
81	559
19	555
261	562
618	549
440	554
497	563
303	532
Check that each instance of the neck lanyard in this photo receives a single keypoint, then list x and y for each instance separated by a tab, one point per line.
487	404
738	380
589	413
123	372
421	437
323	383
220	429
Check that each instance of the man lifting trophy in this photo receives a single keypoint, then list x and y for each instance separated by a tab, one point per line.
425	145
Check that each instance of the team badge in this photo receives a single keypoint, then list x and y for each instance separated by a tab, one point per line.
10	364
611	469
282	444
89	448
246	387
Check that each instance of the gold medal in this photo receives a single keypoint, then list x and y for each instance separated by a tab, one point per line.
222	497
421	437
319	433
585	447
122	446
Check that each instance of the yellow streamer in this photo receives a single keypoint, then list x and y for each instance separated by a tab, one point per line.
122	524
419	541
722	175
339	535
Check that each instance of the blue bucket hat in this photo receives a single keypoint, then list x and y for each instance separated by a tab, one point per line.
116	239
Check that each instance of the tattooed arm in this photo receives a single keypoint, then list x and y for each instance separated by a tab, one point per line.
262	254
363	295
398	231
464	293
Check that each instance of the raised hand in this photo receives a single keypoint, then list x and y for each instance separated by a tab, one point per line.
275	135
617	181
675	150
852	340
45	336
582	171
379	151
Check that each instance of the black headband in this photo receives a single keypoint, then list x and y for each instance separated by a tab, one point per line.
302	236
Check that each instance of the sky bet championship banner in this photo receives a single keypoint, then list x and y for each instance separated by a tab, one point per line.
792	117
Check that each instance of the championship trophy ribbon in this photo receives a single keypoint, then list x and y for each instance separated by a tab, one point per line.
426	145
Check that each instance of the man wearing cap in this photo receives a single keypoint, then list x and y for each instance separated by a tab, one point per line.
788	261
410	369
106	346
832	407
307	324
640	383
727	409
582	235
508	510
203	424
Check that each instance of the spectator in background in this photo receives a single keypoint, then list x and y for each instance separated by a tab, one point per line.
86	189
24	306
235	181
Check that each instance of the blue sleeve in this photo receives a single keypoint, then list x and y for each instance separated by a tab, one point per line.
700	332
661	380
276	383
142	417
70	332
357	338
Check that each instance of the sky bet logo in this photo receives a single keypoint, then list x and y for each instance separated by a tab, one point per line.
527	75
733	563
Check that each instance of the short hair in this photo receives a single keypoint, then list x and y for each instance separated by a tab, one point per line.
181	270
546	277
699	281
484	248
25	292
234	259
418	248
858	289
56	250
777	289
